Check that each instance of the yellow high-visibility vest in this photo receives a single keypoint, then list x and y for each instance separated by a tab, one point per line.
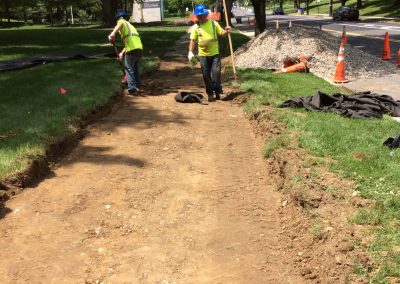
130	36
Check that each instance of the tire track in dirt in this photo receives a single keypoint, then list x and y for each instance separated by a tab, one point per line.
157	192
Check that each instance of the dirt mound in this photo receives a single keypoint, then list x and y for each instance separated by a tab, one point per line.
270	48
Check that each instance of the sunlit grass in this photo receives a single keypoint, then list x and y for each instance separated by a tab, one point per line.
376	173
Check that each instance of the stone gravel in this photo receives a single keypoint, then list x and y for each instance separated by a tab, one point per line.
268	50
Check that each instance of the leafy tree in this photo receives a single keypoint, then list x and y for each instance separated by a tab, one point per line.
179	6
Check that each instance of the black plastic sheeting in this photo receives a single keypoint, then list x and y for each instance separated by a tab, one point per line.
188	97
43	59
359	105
392	143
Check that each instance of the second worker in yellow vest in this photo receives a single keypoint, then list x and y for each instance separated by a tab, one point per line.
132	50
206	33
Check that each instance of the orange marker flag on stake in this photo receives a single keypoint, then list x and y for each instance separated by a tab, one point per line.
63	91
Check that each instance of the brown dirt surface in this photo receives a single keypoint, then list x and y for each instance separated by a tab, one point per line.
162	192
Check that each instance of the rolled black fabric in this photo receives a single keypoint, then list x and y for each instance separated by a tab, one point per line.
393	143
24	63
188	97
359	105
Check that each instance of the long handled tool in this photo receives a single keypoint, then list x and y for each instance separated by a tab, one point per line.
117	55
230	42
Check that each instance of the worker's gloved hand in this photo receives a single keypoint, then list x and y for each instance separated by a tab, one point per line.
120	56
190	55
228	29
111	38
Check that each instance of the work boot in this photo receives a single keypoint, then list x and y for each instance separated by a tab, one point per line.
217	96
210	98
132	92
204	102
124	84
224	97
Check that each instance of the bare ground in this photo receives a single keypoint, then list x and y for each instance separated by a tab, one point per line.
161	192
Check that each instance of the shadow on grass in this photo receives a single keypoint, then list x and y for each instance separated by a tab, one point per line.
389	8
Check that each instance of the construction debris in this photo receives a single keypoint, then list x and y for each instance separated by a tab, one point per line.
269	50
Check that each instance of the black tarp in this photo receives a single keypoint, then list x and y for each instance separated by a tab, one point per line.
43	59
189	97
392	143
359	105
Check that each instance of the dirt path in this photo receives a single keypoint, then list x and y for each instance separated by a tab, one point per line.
157	192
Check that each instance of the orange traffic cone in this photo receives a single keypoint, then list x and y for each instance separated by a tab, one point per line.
294	68
344	36
340	76
386	48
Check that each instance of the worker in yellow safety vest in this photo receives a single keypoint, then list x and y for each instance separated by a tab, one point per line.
206	33
133	49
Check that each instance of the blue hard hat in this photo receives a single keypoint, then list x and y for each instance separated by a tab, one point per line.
121	14
200	9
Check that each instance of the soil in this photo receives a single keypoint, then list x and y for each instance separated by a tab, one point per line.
162	192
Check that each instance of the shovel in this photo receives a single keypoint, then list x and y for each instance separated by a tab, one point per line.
120	62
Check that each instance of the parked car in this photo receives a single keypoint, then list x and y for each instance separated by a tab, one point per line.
278	11
346	13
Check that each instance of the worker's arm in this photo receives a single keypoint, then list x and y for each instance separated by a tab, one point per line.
117	28
121	54
192	45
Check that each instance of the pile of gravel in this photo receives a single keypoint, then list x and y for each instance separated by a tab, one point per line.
270	48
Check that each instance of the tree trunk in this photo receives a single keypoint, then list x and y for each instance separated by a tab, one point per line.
8	13
66	16
307	7
50	11
229	12
359	4
259	13
343	2
109	10
330	7
281	4
141	12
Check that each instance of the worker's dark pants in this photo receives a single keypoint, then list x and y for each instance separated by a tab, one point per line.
211	68
132	70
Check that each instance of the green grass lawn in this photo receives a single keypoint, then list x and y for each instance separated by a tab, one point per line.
379	8
33	112
377	175
37	40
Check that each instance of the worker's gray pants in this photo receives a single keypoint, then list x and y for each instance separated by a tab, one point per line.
211	69
132	71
